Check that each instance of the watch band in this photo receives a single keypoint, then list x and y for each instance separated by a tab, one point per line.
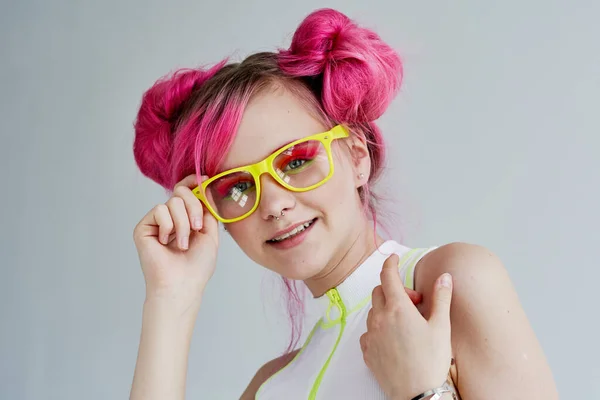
436	393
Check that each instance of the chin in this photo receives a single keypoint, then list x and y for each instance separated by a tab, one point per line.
299	270
299	275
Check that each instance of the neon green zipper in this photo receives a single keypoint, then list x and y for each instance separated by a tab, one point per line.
334	299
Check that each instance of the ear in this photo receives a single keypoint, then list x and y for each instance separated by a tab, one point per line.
361	160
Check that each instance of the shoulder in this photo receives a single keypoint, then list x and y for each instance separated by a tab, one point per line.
464	261
265	372
487	321
478	274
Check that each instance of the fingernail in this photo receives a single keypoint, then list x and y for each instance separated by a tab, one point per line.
165	239
446	280
184	242
197	222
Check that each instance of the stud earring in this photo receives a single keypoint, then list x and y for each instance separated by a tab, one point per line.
361	175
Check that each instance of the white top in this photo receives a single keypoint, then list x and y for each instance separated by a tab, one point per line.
330	364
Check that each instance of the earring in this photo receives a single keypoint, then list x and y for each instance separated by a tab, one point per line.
361	175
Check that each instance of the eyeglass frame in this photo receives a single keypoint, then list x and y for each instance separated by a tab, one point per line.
266	167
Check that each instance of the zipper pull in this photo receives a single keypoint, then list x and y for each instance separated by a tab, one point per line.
336	295
336	300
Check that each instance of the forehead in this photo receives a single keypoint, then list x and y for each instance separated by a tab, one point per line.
271	119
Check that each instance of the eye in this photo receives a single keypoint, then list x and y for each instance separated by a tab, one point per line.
297	163
239	188
298	157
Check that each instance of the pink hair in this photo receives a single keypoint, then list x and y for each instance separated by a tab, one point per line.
344	73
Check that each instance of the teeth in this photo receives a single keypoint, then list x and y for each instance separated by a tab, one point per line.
293	232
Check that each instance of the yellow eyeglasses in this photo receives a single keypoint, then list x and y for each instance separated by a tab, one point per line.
300	166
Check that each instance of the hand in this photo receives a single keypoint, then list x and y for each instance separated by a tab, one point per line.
407	354
177	257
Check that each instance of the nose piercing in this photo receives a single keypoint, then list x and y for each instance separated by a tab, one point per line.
277	218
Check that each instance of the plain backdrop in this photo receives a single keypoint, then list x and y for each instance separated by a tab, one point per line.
494	140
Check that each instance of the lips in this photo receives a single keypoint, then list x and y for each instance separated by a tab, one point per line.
291	231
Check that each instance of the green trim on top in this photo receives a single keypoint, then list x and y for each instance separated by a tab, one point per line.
366	300
409	280
262	386
335	300
334	297
404	259
332	302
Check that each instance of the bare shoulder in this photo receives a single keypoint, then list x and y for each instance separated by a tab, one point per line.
462	260
476	271
265	372
495	348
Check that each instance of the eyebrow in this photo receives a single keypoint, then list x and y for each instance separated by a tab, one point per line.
268	154
282	146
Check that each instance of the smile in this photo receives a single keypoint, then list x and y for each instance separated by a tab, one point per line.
293	232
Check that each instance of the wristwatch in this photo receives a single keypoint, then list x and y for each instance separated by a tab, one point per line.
437	393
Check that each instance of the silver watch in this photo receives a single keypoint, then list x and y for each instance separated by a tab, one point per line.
437	393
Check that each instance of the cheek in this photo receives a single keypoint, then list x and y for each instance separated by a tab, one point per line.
244	233
338	197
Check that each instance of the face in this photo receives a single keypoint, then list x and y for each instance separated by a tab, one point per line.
332	211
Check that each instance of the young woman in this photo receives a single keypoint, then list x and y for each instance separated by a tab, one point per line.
282	149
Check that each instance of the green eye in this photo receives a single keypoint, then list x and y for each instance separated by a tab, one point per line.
238	189
294	164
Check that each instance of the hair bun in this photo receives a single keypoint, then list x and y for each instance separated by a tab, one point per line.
157	116
313	43
360	73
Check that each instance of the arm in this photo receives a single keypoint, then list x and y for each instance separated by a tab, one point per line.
161	367
496	351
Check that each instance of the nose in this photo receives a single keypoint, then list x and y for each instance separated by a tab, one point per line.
274	198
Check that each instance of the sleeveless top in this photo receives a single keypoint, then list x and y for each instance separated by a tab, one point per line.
330	364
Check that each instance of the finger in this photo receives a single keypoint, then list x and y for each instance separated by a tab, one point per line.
181	220
210	227
363	342
391	282
190	182
162	218
414	296
193	206
369	318
209	222
378	298
442	296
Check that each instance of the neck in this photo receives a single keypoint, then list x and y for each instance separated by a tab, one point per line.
360	246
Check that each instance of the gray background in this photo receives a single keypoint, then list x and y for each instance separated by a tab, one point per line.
494	140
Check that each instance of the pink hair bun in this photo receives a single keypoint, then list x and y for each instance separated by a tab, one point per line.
156	119
360	73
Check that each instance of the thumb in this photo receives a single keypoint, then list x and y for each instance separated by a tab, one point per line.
442	296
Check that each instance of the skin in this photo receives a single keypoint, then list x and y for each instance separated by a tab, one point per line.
396	331
497	354
342	237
